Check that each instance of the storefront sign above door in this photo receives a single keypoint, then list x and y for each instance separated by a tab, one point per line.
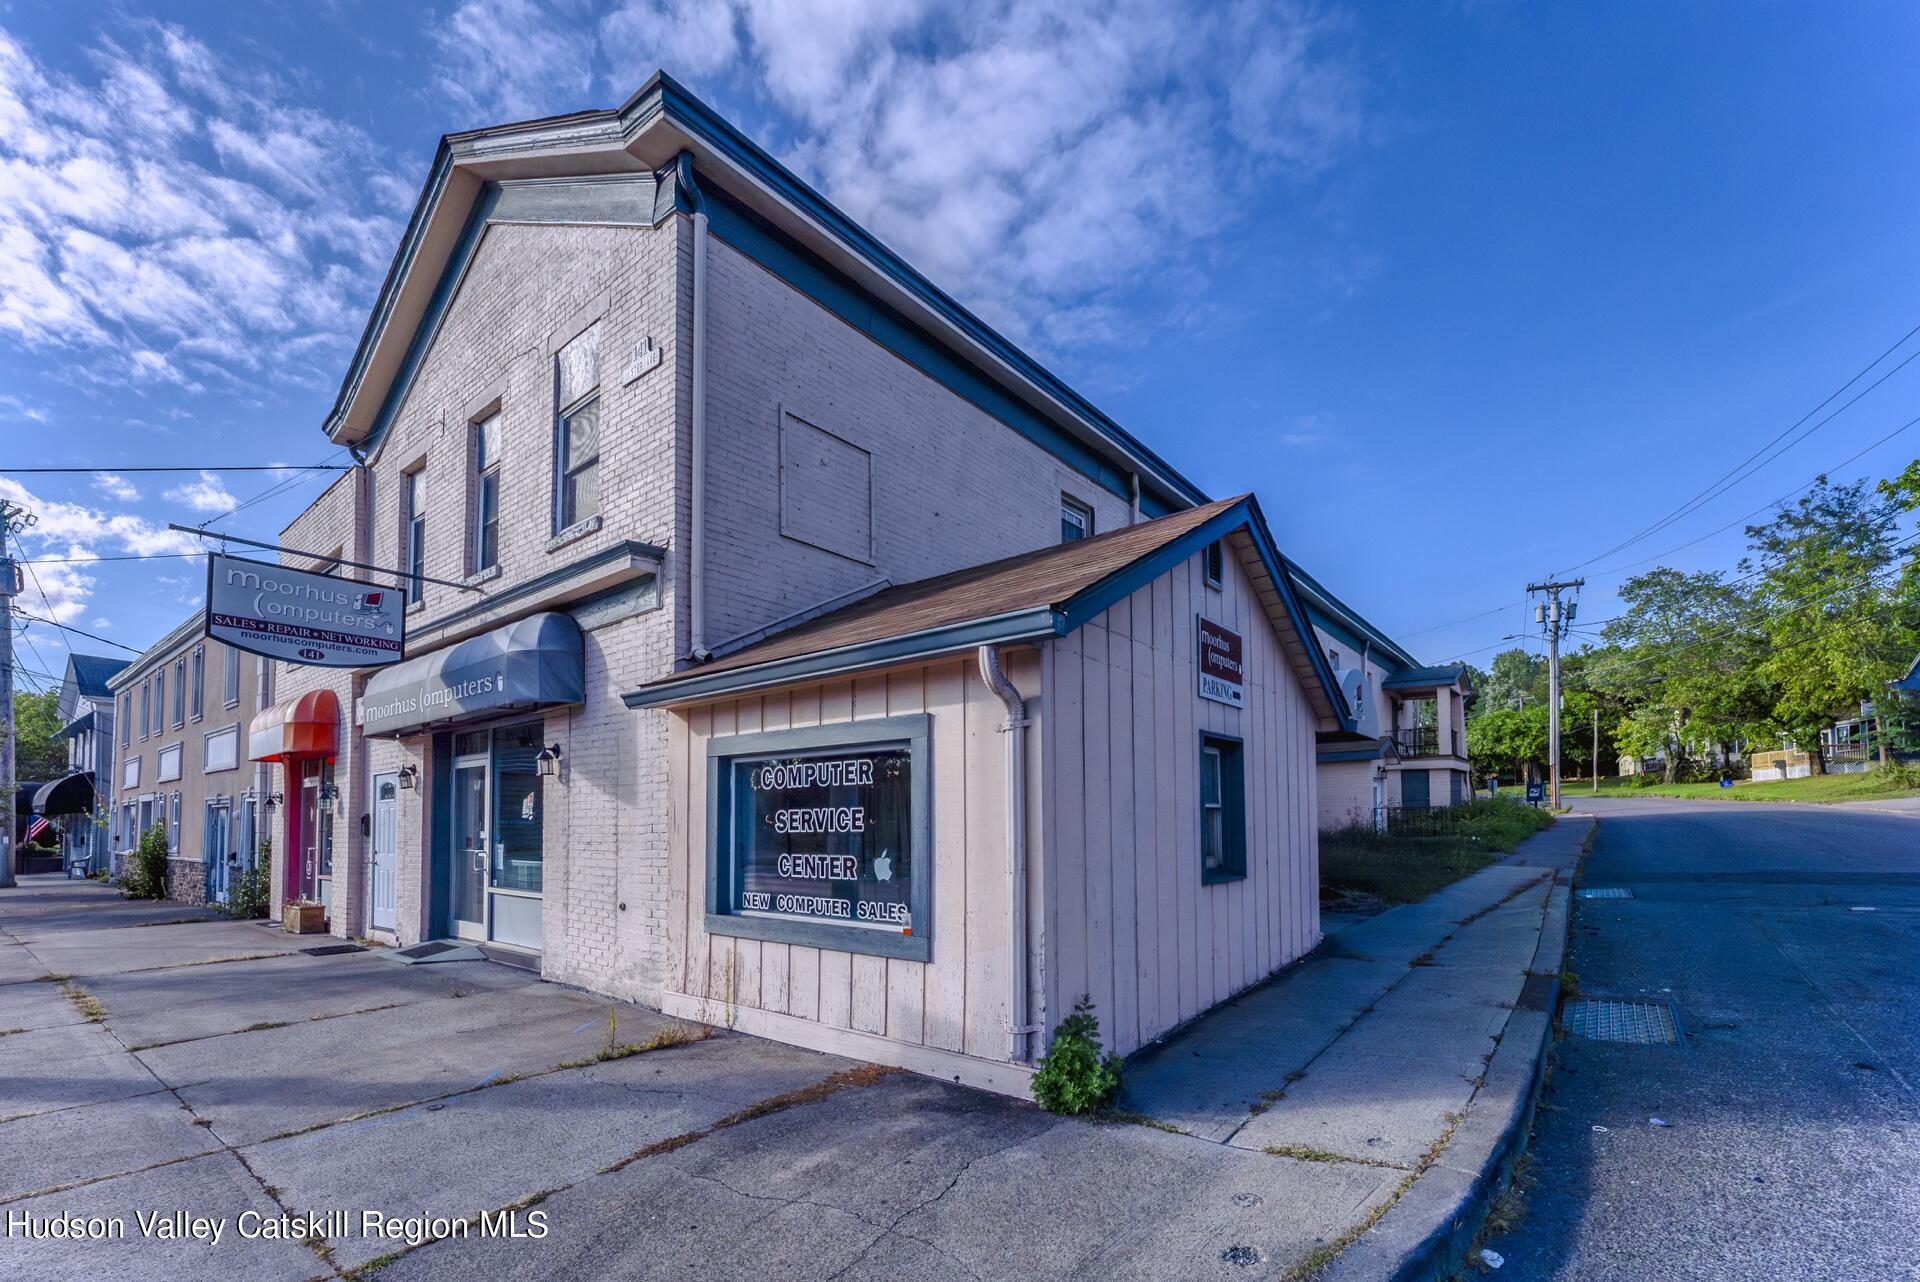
302	617
1221	664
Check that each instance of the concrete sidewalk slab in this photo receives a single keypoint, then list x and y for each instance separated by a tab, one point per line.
495	1147
150	1008
85	953
18	965
915	1179
53	1150
28	1006
66	1066
260	1084
199	1185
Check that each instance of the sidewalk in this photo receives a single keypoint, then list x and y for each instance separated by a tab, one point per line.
1381	1050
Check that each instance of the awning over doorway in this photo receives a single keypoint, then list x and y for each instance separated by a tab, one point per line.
304	727
68	795
533	662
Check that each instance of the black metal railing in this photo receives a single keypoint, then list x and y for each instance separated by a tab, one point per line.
1418	821
1417	741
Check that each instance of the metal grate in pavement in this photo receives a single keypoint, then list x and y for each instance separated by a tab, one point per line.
1637	1023
1605	892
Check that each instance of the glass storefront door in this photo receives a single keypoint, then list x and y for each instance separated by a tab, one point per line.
470	843
498	816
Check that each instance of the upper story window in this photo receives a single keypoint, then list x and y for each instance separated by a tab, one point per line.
146	708
413	529
486	492
199	682
126	720
577	449
263	680
1076	519
1213	563
230	672
180	692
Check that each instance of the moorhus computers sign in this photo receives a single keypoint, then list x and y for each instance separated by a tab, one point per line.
303	617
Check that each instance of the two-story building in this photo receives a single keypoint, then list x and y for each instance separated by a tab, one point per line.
1408	750
693	485
77	802
180	761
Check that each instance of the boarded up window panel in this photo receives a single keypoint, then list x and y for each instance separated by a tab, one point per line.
579	365
826	490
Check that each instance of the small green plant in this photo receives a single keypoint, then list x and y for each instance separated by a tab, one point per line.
250	895
146	876
1074	1076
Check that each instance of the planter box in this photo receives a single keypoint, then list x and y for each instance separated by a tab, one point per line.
304	919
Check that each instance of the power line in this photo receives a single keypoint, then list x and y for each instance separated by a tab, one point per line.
34	618
131	471
131	556
1748	467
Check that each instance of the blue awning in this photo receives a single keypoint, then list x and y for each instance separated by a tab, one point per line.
538	661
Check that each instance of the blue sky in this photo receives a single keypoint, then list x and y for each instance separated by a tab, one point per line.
1468	293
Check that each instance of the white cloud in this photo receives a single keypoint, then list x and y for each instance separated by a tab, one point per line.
88	527
18	407
115	486
204	494
166	211
1043	162
103	624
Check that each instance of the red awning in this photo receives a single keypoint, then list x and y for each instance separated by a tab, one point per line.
303	727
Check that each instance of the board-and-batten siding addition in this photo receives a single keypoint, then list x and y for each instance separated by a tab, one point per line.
1131	922
958	1001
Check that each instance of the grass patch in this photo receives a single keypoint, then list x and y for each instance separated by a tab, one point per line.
1403	868
1126	1116
1873	785
172	921
83	1001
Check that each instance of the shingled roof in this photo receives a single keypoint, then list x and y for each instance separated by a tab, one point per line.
1044	593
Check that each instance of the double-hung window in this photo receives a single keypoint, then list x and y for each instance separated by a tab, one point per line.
199	682
126	720
1223	809
577	431
146	708
413	517
180	692
230	672
1076	520
486	492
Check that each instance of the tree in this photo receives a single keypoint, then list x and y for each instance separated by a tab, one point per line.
1515	680
39	753
1841	616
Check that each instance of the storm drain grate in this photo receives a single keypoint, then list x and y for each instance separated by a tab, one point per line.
330	950
1605	892
1637	1023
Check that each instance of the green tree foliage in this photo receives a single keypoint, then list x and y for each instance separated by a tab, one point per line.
39	754
1839	613
146	874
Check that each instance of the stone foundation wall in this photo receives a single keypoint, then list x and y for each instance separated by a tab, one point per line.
186	881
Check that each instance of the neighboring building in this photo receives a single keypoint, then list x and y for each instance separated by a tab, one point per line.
78	803
1409	749
180	761
633	397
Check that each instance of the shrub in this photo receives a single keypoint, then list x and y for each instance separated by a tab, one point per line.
1074	1076
147	869
250	895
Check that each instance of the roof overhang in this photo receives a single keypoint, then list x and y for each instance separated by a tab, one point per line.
647	135
70	794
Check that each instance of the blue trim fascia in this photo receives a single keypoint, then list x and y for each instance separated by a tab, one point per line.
1091	602
695	685
1352	754
436	311
403	256
626	549
720	134
1278	568
861	311
1325	603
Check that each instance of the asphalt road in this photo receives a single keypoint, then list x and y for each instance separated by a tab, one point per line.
1786	940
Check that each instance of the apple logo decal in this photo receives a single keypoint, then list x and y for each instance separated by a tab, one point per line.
883	867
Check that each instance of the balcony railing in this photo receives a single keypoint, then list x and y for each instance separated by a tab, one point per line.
1424	741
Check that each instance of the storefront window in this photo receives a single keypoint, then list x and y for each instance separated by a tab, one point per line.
823	837
518	793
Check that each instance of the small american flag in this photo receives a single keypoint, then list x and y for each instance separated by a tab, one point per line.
34	829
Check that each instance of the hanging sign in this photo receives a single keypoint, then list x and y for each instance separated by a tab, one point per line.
827	838
1221	664
302	617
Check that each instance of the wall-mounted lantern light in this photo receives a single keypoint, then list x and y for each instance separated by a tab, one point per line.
546	763
409	777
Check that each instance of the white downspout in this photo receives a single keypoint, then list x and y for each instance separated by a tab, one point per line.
697	535
995	678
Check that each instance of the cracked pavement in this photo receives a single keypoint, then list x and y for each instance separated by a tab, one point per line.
232	1073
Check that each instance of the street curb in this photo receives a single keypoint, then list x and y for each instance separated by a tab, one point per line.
1425	1235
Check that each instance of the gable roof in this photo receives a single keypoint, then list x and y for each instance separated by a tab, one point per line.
1029	597
643	141
90	673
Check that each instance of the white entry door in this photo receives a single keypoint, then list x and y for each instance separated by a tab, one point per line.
385	850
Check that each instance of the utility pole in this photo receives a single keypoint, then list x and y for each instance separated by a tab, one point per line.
1596	752
1555	618
13	519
